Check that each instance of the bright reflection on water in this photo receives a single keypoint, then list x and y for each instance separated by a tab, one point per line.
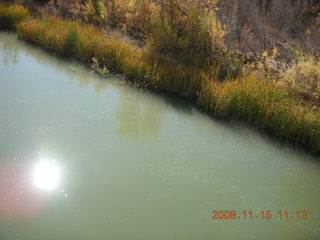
134	165
46	174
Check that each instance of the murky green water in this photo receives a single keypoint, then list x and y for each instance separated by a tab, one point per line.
134	165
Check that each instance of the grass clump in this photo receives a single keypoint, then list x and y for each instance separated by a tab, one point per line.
71	42
10	15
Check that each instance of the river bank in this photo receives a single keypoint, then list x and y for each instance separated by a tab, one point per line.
246	98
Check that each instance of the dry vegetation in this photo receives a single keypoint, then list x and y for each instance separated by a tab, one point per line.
303	76
184	53
10	15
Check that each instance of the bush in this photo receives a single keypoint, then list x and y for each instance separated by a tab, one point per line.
196	41
98	7
96	11
304	77
10	15
189	45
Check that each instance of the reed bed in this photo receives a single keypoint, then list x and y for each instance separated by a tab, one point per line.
265	106
250	99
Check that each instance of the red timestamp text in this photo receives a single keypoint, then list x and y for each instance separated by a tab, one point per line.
262	214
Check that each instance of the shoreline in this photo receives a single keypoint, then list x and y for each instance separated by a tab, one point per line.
247	99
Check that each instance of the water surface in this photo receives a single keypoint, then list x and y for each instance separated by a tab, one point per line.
135	165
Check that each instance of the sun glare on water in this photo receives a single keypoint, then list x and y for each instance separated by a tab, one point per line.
46	175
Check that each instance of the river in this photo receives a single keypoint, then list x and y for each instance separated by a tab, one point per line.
85	157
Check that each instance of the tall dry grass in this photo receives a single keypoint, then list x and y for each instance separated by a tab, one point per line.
10	15
260	103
